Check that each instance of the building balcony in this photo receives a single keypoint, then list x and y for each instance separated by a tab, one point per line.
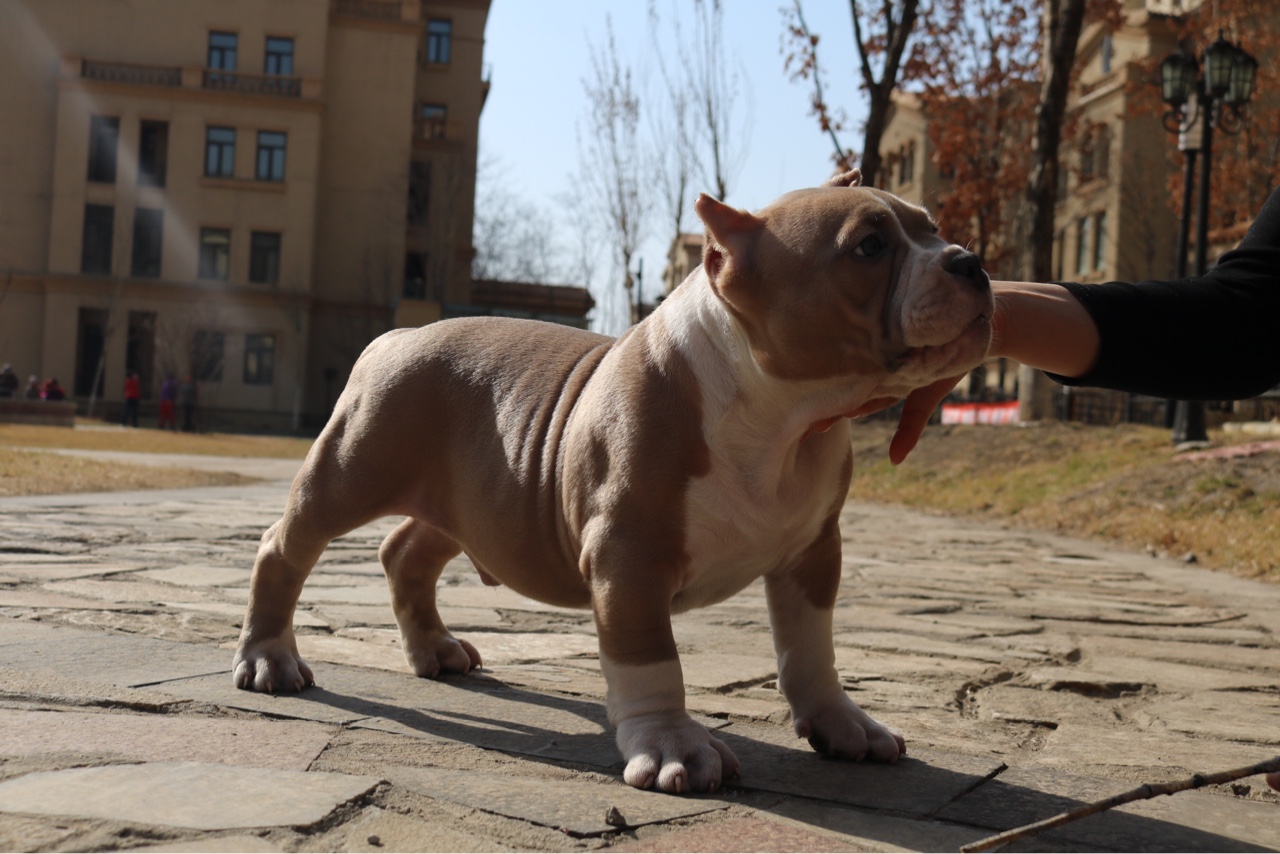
390	11
251	84
436	131
131	73
188	77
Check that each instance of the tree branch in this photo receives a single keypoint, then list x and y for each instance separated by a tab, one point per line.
1142	793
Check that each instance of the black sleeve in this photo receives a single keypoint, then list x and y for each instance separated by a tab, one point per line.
1213	337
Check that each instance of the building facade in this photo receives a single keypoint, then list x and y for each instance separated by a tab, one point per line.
242	191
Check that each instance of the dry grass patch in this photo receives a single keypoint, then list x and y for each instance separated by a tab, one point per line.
1120	484
96	436
25	470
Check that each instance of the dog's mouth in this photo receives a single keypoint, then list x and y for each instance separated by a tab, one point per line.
979	326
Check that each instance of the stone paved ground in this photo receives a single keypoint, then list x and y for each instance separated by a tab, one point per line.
1029	673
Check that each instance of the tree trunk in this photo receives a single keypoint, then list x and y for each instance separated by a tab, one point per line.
897	34
1062	24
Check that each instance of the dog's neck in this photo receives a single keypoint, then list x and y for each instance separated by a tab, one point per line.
758	421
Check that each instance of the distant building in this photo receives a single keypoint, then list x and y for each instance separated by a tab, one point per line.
684	255
247	192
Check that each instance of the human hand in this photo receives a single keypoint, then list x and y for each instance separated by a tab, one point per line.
917	408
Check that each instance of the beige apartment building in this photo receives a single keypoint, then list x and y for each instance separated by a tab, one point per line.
242	191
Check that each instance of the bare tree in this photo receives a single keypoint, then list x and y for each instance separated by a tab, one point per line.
697	131
881	38
611	171
514	238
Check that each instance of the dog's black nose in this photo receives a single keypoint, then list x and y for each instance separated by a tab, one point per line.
965	264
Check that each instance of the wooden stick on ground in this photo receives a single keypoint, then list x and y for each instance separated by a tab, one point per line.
1145	792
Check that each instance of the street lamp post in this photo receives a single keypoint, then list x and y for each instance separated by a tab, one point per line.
1197	103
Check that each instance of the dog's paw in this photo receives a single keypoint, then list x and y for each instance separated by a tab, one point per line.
844	730
671	752
432	653
270	666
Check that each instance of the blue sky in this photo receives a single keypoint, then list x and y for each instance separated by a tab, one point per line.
538	53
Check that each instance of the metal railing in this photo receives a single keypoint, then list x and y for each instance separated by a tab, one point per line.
435	130
132	73
375	10
251	84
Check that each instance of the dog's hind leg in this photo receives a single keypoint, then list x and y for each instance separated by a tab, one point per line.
413	556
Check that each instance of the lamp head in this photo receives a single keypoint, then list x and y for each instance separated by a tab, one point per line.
1177	78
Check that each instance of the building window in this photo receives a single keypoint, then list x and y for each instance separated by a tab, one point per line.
1100	241
153	153
219	152
439	41
215	253
279	59
1102	153
104	138
419	192
415	275
1108	51
206	356
259	359
95	247
148	235
1082	246
222	51
264	257
432	120
271	146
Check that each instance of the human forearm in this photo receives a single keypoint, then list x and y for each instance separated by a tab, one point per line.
1044	326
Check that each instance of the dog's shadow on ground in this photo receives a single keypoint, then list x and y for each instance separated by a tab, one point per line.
564	730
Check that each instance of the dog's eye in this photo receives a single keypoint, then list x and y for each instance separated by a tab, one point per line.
871	246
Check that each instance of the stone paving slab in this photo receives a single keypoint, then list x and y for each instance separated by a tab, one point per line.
579	807
746	834
184	794
291	745
125	660
1083	669
775	760
1189	821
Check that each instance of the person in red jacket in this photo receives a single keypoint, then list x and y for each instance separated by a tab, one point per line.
132	395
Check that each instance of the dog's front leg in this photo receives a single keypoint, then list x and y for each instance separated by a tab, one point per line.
663	747
801	600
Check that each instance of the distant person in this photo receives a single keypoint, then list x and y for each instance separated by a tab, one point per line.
9	381
132	397
187	393
53	391
168	395
33	387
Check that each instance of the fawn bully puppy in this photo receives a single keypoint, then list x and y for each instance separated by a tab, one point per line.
647	475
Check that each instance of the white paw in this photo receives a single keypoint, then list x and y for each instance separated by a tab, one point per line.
671	752
840	728
434	652
271	665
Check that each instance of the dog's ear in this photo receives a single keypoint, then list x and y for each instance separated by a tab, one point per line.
852	178
729	231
